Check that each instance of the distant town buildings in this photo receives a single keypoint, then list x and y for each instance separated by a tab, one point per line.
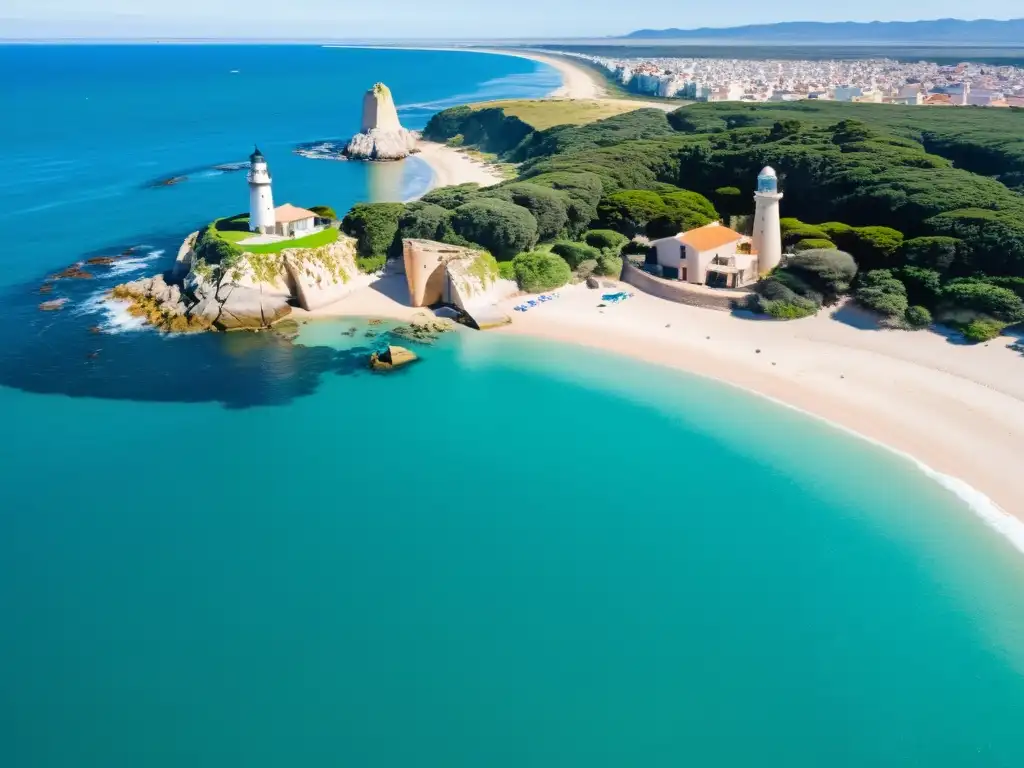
864	80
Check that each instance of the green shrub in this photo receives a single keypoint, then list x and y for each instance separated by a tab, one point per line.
872	247
811	243
773	297
828	271
375	226
923	285
983	329
789	310
606	239
456	141
983	298
506	270
835	230
918	317
609	265
501	227
586	269
575	253
794	230
883	293
324	212
371	264
538	271
211	249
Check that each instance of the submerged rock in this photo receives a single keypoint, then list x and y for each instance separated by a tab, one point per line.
74	272
391	358
53	305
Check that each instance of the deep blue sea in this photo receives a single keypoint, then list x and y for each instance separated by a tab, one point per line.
244	550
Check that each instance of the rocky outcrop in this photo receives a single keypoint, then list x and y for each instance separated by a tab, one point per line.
185	258
468	279
391	358
206	304
321	276
381	135
253	292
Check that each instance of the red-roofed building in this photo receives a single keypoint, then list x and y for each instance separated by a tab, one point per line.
708	255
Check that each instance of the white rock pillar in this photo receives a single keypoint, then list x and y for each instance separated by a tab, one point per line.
379	110
261	199
767	239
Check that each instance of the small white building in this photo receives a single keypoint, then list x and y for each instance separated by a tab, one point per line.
292	221
709	255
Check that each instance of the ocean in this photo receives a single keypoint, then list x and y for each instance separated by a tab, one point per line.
247	549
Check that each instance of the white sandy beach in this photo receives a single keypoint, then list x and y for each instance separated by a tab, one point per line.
450	166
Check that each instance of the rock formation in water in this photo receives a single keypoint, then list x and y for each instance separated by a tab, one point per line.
254	291
381	136
391	358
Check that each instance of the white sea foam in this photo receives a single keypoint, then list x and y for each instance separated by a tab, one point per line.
994	516
116	318
125	266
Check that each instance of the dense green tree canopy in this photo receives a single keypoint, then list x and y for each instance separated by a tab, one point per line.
374	225
503	228
548	206
630	211
451	197
426	221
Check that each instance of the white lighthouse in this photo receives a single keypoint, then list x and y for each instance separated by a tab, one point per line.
767	239
261	200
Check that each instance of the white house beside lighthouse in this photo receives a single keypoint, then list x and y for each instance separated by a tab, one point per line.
261	199
767	235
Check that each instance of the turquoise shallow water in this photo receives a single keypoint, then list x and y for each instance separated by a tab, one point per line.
237	550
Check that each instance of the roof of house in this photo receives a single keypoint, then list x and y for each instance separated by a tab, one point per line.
286	213
709	237
939	99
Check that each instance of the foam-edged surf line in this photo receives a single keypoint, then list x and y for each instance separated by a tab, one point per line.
115	314
995	517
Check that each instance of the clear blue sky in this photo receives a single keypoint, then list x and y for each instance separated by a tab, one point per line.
444	18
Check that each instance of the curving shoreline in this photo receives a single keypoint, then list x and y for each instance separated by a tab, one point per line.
956	411
451	166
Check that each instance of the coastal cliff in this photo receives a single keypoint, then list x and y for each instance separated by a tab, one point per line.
463	277
381	135
251	291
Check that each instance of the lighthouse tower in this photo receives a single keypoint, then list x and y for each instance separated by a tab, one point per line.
767	239
261	200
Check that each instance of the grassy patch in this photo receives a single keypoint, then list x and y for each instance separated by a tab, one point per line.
317	239
545	113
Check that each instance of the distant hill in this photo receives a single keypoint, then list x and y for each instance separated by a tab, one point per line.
940	30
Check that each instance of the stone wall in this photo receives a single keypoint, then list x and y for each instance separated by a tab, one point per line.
680	292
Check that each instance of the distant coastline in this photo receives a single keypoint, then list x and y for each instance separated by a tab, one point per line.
451	166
